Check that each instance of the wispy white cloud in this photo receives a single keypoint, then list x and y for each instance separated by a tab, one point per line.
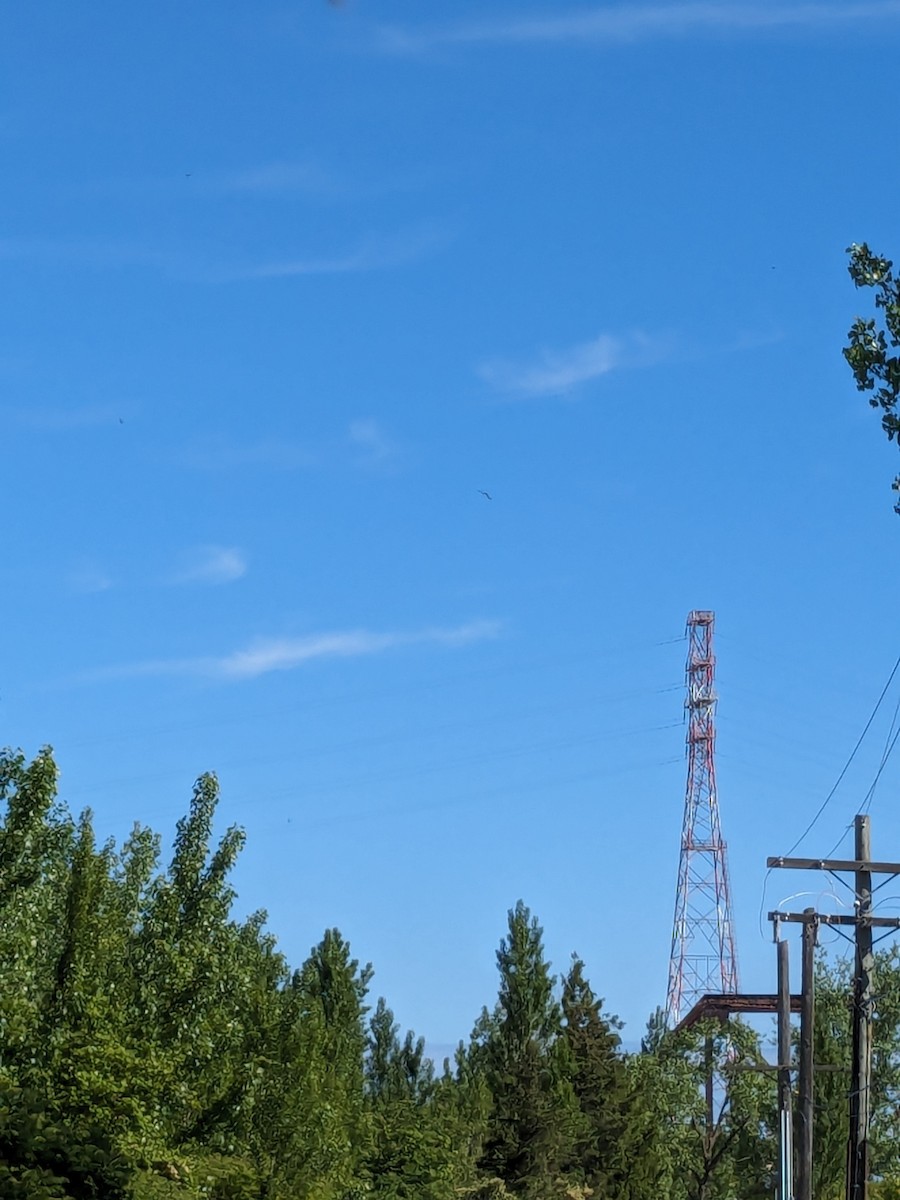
373	448
217	265
266	655
90	253
752	339
309	181
627	23
60	420
284	654
218	454
189	262
89	580
377	450
275	179
213	565
201	181
557	372
372	254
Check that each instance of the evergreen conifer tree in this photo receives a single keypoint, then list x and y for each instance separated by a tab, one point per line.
600	1083
533	1122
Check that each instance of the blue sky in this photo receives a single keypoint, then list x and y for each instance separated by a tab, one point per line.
285	288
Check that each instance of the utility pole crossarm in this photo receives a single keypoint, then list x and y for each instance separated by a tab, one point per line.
834	864
836	919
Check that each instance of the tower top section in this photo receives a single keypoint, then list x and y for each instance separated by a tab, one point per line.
701	616
700	670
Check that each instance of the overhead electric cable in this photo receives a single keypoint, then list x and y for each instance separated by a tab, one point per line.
846	766
889	745
836	785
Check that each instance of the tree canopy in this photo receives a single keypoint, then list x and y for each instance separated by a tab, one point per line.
873	342
155	1047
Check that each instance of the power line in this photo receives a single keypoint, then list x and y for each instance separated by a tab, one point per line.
889	745
837	784
847	764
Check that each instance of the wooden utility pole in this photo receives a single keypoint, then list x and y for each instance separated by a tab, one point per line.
785	1139
863	922
806	1080
861	1068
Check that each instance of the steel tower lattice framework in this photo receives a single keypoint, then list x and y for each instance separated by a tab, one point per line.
703	957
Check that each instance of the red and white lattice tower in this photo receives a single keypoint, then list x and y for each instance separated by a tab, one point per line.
703	958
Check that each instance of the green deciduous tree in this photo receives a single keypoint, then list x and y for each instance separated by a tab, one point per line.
43	1157
873	342
153	1046
36	839
832	1049
687	1155
414	1152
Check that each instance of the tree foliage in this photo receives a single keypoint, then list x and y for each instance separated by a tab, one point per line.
532	1123
155	1047
873	342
